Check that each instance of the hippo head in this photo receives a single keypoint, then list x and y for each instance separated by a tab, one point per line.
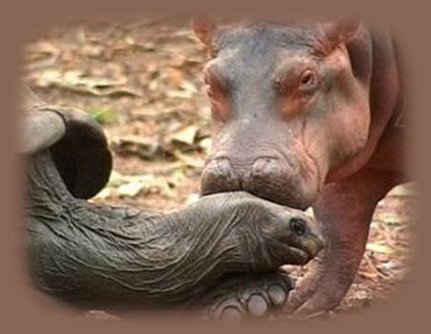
289	106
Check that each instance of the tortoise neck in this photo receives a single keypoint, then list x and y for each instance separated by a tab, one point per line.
45	187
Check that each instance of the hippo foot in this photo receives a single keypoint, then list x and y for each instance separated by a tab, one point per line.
317	293
244	296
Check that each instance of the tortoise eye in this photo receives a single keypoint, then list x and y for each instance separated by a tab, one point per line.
298	226
308	80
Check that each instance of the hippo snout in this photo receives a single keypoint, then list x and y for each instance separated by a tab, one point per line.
271	178
219	176
267	168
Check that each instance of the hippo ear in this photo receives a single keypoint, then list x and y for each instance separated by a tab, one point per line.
204	29
340	31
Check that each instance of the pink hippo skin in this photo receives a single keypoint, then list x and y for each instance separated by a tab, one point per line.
306	115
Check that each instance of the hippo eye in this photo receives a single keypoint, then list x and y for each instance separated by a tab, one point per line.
298	226
210	91
308	80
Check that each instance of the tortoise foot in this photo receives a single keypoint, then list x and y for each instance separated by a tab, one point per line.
244	296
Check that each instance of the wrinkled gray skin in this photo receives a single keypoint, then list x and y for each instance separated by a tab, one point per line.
221	253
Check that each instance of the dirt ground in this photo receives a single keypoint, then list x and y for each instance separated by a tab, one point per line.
141	79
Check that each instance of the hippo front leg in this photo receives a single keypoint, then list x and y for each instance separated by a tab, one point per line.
344	210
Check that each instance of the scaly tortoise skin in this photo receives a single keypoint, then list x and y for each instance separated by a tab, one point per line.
220	255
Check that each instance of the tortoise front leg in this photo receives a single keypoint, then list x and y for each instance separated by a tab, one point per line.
240	296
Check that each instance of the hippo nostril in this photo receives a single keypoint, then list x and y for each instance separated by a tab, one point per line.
266	166
220	168
219	176
224	168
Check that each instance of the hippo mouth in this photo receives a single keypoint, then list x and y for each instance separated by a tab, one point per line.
273	178
299	256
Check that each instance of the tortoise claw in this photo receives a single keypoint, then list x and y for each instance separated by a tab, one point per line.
242	296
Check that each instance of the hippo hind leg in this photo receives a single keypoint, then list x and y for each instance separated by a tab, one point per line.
241	296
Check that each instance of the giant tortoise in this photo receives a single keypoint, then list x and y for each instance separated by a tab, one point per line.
221	254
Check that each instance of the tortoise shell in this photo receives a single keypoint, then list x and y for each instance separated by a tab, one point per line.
77	144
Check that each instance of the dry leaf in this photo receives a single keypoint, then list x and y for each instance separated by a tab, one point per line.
146	148
77	81
186	135
132	185
41	54
190	160
383	249
403	190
